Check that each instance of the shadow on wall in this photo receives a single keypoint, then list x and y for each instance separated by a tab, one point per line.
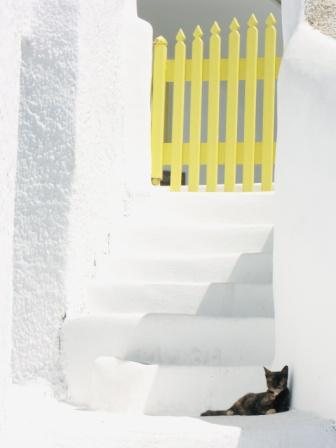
45	169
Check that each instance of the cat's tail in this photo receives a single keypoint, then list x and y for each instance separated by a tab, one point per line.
216	413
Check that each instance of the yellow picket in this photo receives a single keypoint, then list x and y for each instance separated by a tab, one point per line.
178	112
158	107
213	107
196	110
250	103
269	104
232	107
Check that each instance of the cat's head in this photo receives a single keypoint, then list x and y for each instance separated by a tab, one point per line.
276	381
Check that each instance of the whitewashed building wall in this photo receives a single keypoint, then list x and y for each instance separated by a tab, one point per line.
305	218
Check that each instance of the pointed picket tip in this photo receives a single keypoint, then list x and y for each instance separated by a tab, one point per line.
271	20
160	40
215	29
198	31
252	21
234	26
180	36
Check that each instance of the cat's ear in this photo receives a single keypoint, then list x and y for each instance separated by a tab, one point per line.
284	371
267	372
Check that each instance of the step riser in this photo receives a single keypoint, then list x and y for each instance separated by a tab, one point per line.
216	299
131	388
239	268
189	239
247	208
165	340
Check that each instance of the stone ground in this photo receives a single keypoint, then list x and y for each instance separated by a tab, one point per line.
321	14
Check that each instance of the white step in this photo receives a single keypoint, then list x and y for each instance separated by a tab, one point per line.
228	208
232	268
162	339
208	299
49	423
132	388
191	238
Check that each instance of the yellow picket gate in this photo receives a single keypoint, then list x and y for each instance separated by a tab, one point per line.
241	76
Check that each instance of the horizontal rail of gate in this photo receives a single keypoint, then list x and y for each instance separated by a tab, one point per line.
187	102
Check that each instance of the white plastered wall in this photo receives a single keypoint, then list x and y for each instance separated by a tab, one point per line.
84	117
305	220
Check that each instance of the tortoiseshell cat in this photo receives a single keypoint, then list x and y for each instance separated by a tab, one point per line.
274	400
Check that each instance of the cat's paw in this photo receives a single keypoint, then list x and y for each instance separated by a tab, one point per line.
271	411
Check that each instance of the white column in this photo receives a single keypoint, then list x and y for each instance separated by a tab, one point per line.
9	101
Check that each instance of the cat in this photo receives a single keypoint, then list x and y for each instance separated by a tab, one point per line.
274	400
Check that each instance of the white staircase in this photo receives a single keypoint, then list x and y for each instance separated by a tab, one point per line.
180	316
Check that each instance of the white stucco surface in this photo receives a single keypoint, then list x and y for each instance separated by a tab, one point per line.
305	220
84	120
9	102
